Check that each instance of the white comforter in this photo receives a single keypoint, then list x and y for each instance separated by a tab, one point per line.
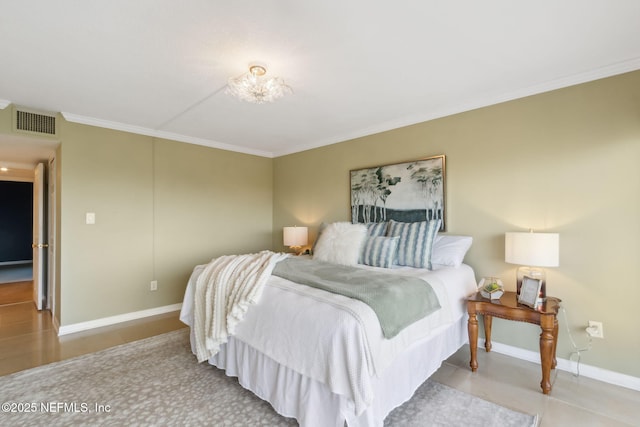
334	339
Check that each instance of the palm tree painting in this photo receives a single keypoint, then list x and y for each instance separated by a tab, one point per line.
405	192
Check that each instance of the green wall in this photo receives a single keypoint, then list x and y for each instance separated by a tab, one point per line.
5	121
161	208
564	161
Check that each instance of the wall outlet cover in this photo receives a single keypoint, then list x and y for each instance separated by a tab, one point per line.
595	329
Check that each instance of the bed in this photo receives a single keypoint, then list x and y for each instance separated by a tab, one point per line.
322	358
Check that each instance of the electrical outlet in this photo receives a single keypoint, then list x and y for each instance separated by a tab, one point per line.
595	329
154	285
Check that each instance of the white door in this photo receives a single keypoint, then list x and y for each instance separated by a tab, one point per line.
39	244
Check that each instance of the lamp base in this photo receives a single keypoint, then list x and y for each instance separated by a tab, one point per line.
534	273
296	249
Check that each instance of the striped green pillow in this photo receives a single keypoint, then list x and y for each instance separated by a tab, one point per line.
416	241
379	251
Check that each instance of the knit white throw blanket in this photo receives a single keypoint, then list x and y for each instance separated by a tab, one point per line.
224	291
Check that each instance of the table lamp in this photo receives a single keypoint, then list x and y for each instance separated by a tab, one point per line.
532	251
295	238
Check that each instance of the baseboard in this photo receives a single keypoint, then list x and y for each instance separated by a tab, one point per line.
593	372
112	320
11	263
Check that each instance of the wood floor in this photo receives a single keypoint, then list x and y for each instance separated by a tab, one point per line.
28	339
12	293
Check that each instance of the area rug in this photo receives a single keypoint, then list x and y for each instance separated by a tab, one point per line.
156	381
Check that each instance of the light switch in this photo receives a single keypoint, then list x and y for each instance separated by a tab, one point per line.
91	218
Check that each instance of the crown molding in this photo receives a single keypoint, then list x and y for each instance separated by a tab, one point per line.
92	121
472	104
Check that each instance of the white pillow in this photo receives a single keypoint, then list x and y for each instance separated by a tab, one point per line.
450	250
340	243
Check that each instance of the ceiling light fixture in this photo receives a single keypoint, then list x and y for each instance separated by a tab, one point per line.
255	87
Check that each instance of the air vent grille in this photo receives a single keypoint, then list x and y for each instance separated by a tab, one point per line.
27	121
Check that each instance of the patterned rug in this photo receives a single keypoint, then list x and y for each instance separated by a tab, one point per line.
157	381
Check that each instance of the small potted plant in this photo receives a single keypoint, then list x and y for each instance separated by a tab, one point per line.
491	288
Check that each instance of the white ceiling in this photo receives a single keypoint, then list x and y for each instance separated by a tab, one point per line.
21	154
159	67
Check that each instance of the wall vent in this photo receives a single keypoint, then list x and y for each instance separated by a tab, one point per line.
34	122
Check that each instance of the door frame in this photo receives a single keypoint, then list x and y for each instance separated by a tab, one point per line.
51	233
45	238
50	218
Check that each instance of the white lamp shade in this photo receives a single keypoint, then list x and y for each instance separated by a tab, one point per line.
295	236
532	249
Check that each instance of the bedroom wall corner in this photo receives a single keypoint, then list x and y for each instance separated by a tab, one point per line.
161	208
207	202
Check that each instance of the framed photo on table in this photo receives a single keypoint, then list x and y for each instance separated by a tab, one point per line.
530	291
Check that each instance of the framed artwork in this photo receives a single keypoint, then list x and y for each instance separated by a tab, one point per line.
530	291
404	192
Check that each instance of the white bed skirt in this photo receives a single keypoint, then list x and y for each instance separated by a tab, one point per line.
313	404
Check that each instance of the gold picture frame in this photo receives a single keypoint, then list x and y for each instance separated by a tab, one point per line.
405	192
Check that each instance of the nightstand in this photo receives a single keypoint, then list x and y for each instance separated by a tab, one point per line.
507	307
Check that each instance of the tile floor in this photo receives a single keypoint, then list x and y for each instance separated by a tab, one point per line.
27	339
514	383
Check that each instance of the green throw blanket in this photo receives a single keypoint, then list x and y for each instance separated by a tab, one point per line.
398	301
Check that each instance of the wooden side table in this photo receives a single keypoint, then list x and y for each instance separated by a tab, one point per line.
507	307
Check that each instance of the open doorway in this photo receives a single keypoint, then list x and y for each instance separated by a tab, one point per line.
16	256
27	226
20	154
19	157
